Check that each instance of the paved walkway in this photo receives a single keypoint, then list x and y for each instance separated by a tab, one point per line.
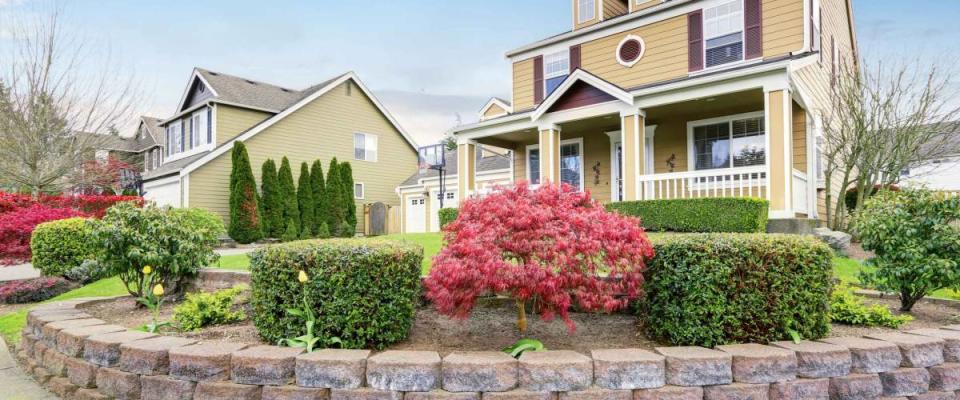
14	383
17	272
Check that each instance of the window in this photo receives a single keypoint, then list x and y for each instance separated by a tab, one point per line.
586	10
533	164
556	67
815	22
200	128
195	130
723	33
450	195
157	158
571	164
175	131
364	147
358	190
738	142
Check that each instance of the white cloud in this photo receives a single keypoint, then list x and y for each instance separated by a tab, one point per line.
426	116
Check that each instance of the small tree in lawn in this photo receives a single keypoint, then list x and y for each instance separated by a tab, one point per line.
305	201
319	198
545	246
349	202
915	236
288	196
336	212
273	223
244	215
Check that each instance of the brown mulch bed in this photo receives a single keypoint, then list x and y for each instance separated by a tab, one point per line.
492	326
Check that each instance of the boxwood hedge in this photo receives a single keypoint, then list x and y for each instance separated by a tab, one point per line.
364	291
62	245
448	215
710	289
739	214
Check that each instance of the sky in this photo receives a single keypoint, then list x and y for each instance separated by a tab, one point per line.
433	63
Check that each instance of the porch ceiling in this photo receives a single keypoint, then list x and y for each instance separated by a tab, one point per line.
718	105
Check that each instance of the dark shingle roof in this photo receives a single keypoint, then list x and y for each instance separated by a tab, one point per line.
235	89
172	167
489	163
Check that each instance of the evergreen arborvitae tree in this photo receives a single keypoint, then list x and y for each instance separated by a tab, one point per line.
272	217
336	212
323	232
288	195
305	199
319	197
290	233
244	211
349	202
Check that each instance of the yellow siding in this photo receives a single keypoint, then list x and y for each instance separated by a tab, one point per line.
320	130
523	85
783	22
576	15
614	8
644	4
799	138
494	111
665	57
231	121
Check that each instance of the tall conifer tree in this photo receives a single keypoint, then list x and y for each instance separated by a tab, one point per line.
244	211
273	223
288	194
305	202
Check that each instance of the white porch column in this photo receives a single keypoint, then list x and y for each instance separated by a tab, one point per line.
633	130
466	168
778	113
549	153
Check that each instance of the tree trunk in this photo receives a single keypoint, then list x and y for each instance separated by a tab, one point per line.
907	301
521	317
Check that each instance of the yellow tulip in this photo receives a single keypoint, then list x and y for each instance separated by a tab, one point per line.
158	290
147	269
302	277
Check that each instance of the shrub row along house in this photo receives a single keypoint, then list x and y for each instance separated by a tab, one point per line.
651	99
338	118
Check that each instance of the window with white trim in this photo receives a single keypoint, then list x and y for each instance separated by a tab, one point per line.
358	191
586	10
533	164
175	134
571	164
199	127
723	33
556	67
364	147
819	144
157	158
733	143
195	130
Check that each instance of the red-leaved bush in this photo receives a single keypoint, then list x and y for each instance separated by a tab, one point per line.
32	290
547	246
17	226
92	205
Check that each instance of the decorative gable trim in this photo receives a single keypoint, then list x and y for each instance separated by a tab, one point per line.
495	102
580	75
194	76
349	76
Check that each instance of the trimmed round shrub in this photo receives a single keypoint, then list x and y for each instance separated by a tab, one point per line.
712	289
199	219
61	246
363	291
728	214
448	215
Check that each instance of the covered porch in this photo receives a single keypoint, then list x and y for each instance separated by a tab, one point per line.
746	143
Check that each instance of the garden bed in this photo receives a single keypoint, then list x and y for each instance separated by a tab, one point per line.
492	326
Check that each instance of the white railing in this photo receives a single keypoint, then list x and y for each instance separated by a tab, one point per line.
732	182
800	198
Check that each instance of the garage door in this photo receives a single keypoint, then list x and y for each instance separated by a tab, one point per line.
449	201
164	192
416	215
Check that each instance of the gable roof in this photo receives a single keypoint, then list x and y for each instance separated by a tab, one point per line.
571	81
484	164
496	101
307	96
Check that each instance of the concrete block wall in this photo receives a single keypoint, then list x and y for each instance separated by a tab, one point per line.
80	357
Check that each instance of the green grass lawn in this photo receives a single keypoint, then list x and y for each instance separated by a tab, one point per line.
431	243
12	323
234	261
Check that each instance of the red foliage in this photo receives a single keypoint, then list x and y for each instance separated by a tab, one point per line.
546	245
20	214
32	290
17	226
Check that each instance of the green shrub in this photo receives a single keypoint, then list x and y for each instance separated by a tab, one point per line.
203	309
290	234
131	238
916	238
272	218
742	214
711	289
319	186
199	219
349	203
244	201
336	211
364	291
848	308
288	195
448	215
305	200
61	246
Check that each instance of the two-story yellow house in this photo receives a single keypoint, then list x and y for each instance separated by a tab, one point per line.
338	118
657	99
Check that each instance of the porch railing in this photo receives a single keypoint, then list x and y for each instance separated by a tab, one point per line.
738	182
800	200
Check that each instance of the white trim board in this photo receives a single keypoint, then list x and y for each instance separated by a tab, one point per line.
507	108
349	76
195	74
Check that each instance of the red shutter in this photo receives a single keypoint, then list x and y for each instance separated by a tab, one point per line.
695	39
574	57
538	80
753	29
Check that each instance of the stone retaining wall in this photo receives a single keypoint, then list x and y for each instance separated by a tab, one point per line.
80	357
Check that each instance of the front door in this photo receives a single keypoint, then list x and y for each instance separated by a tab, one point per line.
618	171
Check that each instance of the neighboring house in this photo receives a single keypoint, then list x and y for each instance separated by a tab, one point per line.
421	193
337	118
940	174
653	99
139	151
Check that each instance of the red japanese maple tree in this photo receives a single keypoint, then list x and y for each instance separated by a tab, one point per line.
548	246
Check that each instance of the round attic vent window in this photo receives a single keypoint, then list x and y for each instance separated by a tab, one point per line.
630	50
